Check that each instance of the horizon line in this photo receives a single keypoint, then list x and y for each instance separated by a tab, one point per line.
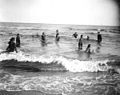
58	24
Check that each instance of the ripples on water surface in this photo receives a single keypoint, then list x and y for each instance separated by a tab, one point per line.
60	68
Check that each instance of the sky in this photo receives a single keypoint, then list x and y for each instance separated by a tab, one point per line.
80	12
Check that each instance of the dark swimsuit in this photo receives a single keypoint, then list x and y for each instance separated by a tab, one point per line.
99	38
17	41
11	47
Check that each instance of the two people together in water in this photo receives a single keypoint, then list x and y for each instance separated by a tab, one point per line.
12	46
43	37
80	45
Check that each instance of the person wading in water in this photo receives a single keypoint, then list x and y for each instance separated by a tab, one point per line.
12	46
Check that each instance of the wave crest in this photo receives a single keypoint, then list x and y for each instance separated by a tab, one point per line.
55	63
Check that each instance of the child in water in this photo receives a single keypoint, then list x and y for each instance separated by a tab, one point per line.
12	46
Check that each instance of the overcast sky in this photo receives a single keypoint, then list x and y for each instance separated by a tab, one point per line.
81	12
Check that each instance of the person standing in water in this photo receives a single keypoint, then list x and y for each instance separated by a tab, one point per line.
12	46
57	36
18	40
43	39
99	38
81	37
75	35
80	42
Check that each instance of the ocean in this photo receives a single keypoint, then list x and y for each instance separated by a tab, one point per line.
59	68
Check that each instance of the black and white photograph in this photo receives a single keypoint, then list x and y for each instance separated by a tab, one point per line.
59	47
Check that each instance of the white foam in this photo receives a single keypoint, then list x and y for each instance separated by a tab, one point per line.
49	84
53	84
72	65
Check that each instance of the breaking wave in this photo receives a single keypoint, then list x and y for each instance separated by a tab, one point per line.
54	63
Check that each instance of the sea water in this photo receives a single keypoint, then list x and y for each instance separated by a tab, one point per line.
59	67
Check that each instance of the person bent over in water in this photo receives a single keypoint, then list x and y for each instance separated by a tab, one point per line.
88	49
12	46
75	35
57	36
18	40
